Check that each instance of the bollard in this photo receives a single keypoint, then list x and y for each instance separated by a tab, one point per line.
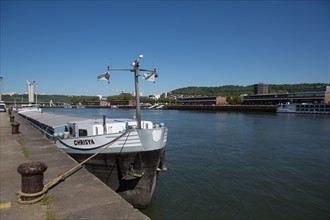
15	128
32	179
12	117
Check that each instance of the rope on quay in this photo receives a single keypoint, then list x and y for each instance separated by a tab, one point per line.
63	176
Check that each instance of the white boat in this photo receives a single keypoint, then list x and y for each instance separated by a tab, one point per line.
307	108
157	106
89	135
131	152
131	159
29	107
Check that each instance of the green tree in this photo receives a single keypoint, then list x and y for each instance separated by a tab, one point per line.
121	97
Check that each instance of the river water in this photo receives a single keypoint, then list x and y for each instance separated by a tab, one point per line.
239	165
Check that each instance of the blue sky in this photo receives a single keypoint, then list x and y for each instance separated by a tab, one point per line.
65	45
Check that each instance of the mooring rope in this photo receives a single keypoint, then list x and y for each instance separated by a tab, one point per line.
114	163
54	181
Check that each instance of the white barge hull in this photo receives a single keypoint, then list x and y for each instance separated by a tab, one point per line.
129	165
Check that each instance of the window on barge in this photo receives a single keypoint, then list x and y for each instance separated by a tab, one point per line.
82	132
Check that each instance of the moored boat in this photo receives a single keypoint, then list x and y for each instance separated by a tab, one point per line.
26	108
131	158
307	108
134	150
126	154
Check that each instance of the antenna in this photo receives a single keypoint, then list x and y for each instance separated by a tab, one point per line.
136	68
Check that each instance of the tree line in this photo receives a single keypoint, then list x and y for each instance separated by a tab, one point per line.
75	100
235	90
231	92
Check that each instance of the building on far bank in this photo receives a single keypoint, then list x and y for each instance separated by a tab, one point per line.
104	102
123	103
31	85
260	88
212	100
319	95
101	102
154	96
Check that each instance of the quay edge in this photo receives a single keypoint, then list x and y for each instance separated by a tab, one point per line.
80	196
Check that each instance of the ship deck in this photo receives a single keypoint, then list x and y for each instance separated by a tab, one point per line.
50	121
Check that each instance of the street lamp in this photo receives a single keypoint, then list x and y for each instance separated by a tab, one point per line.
1	77
36	92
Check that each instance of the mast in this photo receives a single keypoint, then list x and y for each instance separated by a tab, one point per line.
136	69
136	65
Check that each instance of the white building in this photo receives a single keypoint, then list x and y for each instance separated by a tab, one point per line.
154	96
31	90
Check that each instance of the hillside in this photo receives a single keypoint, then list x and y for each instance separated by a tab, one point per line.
234	90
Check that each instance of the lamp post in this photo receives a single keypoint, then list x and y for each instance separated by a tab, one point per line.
1	77
36	92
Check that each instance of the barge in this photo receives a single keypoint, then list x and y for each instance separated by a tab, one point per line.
126	154
305	108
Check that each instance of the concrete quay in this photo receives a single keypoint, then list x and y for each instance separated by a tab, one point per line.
79	196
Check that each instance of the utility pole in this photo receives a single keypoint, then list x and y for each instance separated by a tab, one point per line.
36	93
1	77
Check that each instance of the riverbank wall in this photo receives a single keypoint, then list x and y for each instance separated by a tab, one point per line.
227	108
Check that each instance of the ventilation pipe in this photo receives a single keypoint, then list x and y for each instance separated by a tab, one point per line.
104	125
